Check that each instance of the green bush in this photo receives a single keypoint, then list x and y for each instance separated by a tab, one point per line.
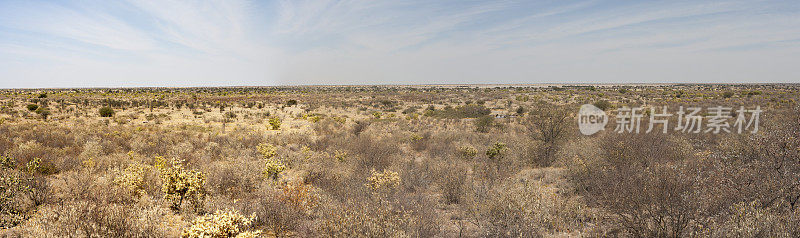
727	94
106	112
32	107
467	152
43	112
496	151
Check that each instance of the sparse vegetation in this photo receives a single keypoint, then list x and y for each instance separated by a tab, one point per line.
391	161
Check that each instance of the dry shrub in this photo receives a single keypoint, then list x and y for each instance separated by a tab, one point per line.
359	127
86	204
648	183
380	209
282	209
417	176
529	204
550	124
420	142
370	153
234	179
86	218
452	183
754	220
368	219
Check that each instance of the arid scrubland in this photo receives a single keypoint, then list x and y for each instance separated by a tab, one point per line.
391	162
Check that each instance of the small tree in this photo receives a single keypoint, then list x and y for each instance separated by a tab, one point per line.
548	123
106	112
32	107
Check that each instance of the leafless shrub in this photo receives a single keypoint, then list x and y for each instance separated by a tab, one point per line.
548	123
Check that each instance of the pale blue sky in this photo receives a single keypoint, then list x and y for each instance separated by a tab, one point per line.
238	42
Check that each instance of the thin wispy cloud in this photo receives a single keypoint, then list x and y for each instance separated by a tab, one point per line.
240	42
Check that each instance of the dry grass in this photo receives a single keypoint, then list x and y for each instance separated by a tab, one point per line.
390	162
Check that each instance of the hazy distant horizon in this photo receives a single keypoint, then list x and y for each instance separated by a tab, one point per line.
540	85
144	43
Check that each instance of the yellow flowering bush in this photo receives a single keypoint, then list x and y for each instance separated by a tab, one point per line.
13	185
266	150
273	168
386	180
132	179
275	123
178	184
221	224
467	152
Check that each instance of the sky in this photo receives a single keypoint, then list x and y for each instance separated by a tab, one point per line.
142	43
